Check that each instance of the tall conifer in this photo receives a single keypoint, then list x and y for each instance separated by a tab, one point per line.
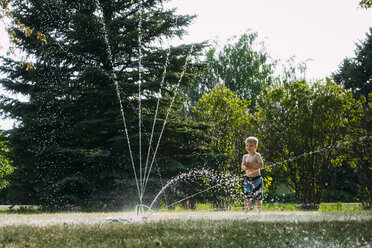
70	147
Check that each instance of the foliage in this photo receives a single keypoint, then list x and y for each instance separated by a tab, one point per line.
227	114
245	68
70	147
342	186
291	70
361	162
6	167
301	127
337	196
229	121
365	4
356	73
243	65
204	82
339	207
6	13
273	197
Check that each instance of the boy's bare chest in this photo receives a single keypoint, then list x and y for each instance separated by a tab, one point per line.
249	158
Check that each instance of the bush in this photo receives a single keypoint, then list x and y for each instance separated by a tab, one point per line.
337	196
338	206
273	197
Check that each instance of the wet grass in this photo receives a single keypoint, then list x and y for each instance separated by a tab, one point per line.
192	233
338	206
190	229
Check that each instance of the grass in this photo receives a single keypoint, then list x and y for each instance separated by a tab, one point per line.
192	233
338	206
202	228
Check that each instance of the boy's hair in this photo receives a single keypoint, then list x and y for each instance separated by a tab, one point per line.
251	139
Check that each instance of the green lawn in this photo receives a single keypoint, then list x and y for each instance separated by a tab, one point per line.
189	229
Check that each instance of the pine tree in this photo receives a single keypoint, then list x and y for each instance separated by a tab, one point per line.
70	147
356	73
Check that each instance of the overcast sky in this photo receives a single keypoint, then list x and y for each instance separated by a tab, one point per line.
324	31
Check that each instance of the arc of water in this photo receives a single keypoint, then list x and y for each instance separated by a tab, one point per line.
127	135
266	167
139	96
156	113
168	112
187	175
117	88
190	196
157	108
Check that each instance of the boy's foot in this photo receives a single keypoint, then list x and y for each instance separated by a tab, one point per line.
248	209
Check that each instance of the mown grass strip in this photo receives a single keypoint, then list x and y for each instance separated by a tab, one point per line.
192	233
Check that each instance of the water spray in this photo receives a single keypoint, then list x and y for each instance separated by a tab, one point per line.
334	146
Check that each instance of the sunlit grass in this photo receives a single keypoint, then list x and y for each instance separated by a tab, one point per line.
240	232
286	207
338	206
205	227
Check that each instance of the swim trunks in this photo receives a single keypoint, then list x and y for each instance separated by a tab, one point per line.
253	187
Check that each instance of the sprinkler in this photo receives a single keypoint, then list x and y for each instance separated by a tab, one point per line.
140	211
139	208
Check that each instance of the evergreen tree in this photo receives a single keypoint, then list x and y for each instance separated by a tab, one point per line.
70	147
365	4
356	73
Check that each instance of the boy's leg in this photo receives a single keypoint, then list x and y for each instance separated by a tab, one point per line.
259	205
247	205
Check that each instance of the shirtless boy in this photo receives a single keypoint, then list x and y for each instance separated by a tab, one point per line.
253	184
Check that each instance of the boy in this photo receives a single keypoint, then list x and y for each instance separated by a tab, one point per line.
253	184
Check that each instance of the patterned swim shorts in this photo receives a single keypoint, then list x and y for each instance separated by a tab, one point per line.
253	187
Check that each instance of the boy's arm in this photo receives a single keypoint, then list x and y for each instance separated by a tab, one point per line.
258	163
243	166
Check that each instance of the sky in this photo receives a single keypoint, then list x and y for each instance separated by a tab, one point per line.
321	32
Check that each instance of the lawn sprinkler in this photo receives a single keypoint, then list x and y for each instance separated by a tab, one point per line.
143	210
117	220
139	208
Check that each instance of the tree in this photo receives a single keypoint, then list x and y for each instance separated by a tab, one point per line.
365	4
361	157
204	82
360	153
5	164
71	145
300	128
6	13
243	65
356	73
230	122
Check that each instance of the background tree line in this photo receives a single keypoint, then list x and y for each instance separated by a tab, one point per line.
315	134
70	146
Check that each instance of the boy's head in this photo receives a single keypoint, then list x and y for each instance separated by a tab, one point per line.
252	140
